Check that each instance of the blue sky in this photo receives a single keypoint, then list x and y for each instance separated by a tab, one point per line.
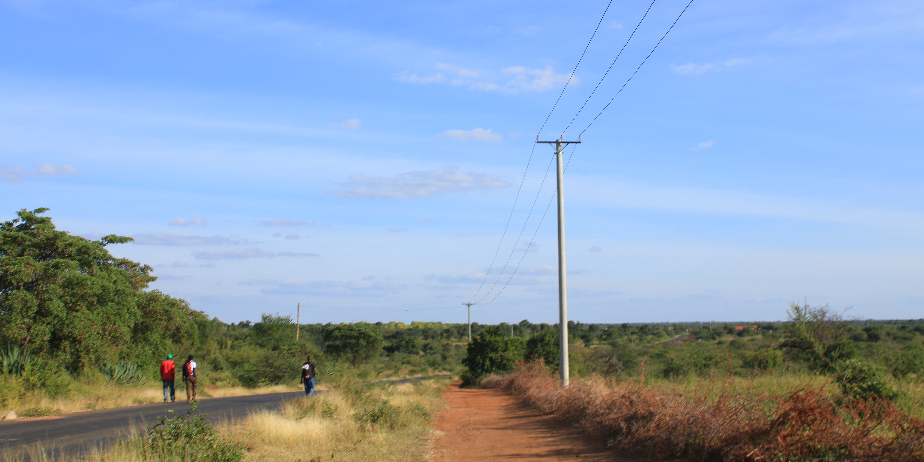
363	159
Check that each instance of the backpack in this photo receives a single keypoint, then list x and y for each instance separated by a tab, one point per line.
186	369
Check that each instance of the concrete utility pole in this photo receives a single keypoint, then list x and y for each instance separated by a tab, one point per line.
298	320
469	305
562	281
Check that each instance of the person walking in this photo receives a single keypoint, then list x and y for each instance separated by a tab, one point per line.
308	372
167	372
189	376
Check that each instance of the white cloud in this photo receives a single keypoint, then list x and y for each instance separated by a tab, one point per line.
296	254
523	78
417	184
180	239
56	170
292	236
536	79
13	174
475	134
694	68
236	254
705	145
351	124
286	223
196	221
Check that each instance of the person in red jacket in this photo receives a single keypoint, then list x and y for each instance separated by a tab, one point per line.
167	372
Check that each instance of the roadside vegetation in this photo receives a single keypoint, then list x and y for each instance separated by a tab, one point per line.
819	387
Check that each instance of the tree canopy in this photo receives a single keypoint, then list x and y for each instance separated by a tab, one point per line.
66	297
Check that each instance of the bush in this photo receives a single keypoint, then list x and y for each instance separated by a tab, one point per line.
764	360
489	353
859	380
909	360
123	373
15	361
189	438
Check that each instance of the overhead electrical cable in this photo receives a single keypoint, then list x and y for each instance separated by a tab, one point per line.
533	150
520	236
639	67
611	66
525	251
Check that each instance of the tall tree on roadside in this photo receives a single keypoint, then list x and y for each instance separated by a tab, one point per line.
66	297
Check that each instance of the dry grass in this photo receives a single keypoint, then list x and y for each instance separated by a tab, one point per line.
350	424
738	424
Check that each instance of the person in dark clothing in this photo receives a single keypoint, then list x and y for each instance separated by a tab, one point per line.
189	376
308	373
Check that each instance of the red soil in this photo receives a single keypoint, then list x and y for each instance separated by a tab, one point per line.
492	425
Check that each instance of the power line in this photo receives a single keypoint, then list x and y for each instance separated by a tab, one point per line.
520	236
532	151
525	251
611	66
639	67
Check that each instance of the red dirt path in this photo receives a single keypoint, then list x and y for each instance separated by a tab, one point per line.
492	425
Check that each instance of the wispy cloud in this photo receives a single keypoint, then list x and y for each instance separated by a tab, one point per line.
14	175
417	184
397	230
174	238
234	254
699	68
509	80
475	134
594	249
245	254
361	288
292	236
704	145
287	223
194	221
351	124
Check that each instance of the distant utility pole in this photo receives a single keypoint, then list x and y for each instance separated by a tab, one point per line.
298	320
562	282
469	305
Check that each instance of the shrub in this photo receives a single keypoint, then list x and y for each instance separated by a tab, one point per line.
909	360
190	437
662	423
490	352
123	373
15	361
859	380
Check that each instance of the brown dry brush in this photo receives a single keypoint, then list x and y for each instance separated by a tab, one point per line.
806	425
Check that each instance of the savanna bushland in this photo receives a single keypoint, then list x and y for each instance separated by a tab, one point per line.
80	329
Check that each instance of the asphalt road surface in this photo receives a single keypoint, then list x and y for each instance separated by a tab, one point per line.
81	432
68	435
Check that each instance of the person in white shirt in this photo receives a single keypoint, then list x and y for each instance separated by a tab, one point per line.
189	376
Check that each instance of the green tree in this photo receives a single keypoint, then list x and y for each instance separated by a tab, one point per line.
818	337
356	342
545	346
490	352
65	297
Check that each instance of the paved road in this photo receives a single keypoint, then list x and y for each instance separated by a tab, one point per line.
80	432
71	434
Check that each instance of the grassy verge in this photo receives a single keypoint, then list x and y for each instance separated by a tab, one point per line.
346	423
759	419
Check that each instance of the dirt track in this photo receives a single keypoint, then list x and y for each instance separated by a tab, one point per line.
492	425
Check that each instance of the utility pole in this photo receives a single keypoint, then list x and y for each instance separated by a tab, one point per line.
562	281
469	305
298	320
